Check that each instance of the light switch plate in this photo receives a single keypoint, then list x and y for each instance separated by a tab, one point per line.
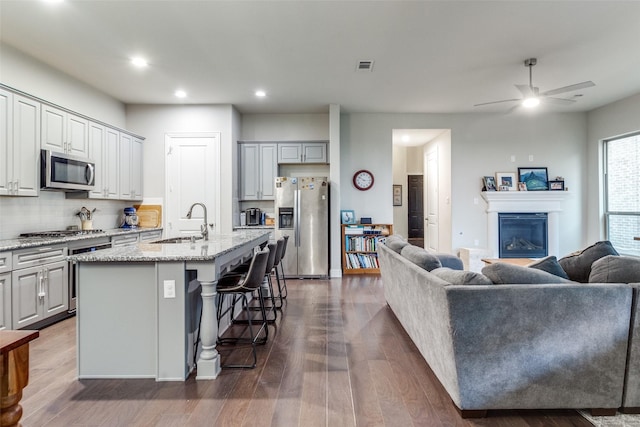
169	288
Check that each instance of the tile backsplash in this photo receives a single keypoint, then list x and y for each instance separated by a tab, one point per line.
52	211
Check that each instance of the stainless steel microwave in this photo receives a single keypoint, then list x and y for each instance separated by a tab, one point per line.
61	171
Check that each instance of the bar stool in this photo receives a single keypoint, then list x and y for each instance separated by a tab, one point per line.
282	287
243	268
238	286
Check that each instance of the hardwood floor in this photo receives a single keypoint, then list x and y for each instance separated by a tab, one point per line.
337	357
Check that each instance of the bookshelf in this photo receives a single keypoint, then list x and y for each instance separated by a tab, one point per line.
359	245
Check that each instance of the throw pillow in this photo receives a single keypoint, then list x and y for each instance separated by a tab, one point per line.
395	243
615	269
550	265
420	257
502	273
578	266
459	277
451	261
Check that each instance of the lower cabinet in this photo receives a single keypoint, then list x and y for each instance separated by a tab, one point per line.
149	236
5	301
39	292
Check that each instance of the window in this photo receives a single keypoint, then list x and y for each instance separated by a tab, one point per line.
622	193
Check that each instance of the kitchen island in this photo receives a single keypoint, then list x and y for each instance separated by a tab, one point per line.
135	317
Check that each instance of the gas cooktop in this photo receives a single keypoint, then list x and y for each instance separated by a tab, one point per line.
60	233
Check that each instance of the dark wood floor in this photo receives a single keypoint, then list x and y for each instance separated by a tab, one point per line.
338	357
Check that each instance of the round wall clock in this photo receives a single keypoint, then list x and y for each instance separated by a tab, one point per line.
363	180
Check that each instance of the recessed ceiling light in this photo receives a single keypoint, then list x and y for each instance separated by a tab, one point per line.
261	93
405	138
180	94
531	102
139	62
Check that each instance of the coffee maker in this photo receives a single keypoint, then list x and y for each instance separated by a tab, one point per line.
253	216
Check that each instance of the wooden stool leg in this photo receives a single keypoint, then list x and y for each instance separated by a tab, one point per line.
14	370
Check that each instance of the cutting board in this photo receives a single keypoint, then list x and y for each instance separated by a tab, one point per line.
149	216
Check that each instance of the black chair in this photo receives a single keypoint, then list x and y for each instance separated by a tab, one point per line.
238	286
282	287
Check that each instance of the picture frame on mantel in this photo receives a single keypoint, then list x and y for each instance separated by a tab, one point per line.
556	185
536	179
506	181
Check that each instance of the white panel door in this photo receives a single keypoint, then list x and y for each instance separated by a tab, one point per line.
431	200
5	301
192	176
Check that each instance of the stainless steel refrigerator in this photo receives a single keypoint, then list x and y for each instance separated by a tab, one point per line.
302	213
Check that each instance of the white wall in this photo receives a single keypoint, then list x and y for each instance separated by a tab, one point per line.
26	74
285	127
399	167
615	119
481	144
154	121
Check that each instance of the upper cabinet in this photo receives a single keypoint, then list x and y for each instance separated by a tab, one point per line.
130	164
19	145
302	152
103	150
64	132
258	169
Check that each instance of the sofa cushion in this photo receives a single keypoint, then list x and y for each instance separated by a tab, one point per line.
451	261
395	243
502	273
578	265
458	277
420	257
615	269
551	265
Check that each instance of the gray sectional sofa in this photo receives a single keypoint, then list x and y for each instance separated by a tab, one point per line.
517	346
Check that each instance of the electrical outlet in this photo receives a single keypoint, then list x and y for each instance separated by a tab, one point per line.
513	158
475	200
169	288
476	242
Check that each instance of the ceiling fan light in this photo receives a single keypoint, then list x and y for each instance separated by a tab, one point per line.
531	102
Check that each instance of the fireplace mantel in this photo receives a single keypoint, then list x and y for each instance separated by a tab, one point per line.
524	202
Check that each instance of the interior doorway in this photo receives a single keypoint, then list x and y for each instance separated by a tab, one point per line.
415	209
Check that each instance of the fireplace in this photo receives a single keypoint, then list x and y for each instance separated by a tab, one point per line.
522	235
531	202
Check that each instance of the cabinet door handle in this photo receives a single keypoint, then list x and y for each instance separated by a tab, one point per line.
41	285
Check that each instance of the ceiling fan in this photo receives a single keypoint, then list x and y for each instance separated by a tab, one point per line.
531	95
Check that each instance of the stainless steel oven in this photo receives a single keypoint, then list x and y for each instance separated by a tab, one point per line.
80	247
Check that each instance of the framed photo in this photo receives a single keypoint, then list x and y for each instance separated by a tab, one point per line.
397	195
347	217
522	186
556	185
506	181
489	183
536	179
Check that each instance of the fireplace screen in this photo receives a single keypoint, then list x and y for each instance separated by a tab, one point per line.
522	235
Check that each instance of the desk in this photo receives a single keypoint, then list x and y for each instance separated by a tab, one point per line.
14	373
515	261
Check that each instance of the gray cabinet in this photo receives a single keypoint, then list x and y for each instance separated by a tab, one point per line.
39	285
64	132
130	164
125	239
19	145
258	169
103	150
5	301
302	152
150	236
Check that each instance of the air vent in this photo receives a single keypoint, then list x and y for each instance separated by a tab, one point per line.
365	65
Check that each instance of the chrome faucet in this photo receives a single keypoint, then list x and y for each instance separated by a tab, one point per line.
204	230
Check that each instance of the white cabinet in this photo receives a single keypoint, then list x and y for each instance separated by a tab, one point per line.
64	132
19	145
302	152
130	167
39	285
150	236
124	240
5	301
258	168
103	150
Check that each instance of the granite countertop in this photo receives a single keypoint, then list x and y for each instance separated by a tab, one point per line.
254	227
33	242
218	244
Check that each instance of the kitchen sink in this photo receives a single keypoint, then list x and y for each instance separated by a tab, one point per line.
182	239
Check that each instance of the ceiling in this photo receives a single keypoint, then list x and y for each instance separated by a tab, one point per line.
429	56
